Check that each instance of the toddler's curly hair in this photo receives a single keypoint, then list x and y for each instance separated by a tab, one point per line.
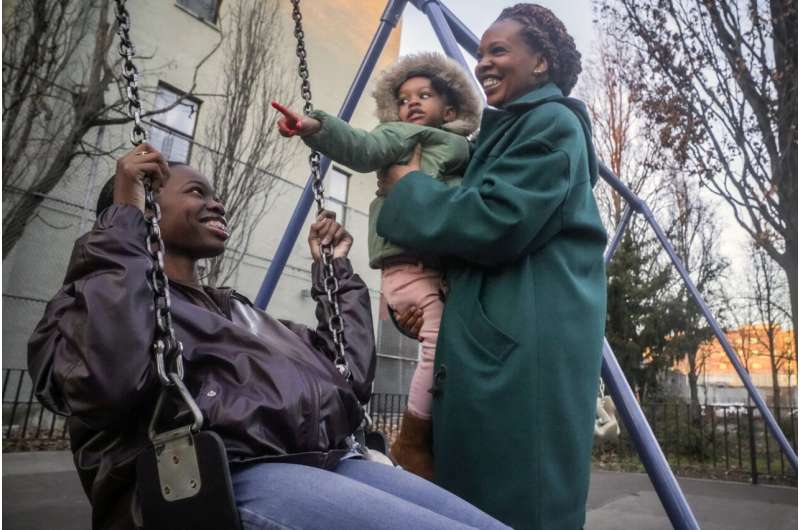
544	32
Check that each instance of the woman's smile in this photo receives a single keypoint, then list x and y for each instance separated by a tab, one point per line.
218	226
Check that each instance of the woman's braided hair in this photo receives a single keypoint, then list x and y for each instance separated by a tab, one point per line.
545	33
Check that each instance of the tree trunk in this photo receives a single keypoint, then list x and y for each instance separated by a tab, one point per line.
774	368
790	266
694	398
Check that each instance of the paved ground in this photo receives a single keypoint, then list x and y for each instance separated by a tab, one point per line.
41	492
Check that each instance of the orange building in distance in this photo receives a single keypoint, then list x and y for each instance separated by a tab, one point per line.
718	382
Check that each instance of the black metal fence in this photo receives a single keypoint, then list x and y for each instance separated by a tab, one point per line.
27	424
719	441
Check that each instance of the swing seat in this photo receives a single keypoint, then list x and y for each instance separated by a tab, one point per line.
606	427
378	449
206	479
376	441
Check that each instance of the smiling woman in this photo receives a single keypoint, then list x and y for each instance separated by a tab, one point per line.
519	350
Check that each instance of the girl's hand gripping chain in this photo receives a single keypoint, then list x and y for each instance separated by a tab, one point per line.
293	124
143	161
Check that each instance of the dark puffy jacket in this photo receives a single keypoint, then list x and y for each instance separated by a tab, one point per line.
267	387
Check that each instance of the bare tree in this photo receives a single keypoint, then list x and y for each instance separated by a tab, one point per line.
60	80
694	235
245	152
743	316
765	284
620	135
719	81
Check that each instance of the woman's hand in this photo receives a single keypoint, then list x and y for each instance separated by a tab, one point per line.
293	124
409	321
326	231
143	161
392	174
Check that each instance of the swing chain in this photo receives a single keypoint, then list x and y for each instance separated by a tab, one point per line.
330	282
167	349
129	71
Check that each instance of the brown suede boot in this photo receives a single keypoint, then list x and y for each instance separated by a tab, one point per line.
413	448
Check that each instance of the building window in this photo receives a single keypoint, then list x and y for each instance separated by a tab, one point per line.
172	131
336	184
203	9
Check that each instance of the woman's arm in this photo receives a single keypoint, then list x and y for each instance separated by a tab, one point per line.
354	306
512	211
335	138
90	356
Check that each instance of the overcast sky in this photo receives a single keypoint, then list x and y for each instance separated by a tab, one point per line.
417	35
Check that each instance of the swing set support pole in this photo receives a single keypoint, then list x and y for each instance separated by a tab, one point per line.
462	34
389	19
433	10
445	33
650	453
619	233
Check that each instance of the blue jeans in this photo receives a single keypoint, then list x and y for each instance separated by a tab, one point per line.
356	495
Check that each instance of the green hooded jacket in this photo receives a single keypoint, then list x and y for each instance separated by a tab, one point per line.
444	154
519	351
445	151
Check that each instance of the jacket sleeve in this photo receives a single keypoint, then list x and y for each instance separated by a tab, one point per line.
358	149
89	356
511	211
359	338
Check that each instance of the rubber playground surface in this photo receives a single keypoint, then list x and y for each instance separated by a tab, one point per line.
41	491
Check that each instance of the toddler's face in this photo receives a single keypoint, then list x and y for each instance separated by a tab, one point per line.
418	102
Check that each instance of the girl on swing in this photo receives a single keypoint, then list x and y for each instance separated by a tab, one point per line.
267	387
428	100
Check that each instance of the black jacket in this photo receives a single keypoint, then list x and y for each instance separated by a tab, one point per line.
267	387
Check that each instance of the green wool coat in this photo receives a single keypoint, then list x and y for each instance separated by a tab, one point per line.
444	155
519	350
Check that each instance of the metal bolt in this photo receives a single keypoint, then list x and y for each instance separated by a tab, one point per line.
175	459
166	490
193	484
211	393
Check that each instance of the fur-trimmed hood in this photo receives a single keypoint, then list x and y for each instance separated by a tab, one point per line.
468	108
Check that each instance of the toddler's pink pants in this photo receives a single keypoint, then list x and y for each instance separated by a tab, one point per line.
405	285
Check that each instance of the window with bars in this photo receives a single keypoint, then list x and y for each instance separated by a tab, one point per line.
172	131
207	10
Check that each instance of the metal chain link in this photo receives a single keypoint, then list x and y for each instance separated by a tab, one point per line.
167	349
330	282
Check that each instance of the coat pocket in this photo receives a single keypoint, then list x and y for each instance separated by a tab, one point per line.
486	335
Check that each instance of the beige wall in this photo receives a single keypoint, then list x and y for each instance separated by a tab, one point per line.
338	33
